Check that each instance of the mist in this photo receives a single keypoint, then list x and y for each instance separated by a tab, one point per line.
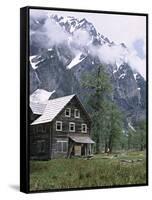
51	34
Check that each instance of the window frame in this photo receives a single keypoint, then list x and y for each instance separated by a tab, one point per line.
71	123
86	128
69	112
60	122
41	145
62	147
75	111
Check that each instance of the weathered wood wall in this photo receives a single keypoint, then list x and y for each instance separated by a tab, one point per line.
40	140
56	135
46	133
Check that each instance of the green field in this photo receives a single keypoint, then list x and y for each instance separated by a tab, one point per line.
102	170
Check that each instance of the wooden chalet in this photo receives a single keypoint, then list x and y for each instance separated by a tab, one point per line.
61	128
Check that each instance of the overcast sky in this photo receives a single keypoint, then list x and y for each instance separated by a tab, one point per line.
128	29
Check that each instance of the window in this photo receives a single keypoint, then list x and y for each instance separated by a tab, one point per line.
76	113
68	112
41	146
58	126
84	128
62	145
72	127
41	129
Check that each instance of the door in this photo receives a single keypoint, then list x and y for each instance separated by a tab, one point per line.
77	150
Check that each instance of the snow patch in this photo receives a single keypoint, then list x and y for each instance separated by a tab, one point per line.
114	71
72	29
75	61
37	21
50	49
64	19
33	63
135	76
130	126
122	76
119	62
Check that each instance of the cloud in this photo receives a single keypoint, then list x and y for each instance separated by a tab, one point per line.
81	37
118	54
38	14
54	32
110	54
49	34
137	63
123	29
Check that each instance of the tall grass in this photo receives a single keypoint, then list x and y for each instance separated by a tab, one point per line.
77	173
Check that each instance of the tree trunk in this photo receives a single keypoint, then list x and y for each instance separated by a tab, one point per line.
110	144
97	145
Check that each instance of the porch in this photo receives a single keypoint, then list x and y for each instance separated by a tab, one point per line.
80	145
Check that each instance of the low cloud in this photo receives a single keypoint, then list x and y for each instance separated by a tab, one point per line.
109	54
51	33
81	37
119	54
137	64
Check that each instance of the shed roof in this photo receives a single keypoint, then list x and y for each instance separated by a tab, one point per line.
52	109
81	139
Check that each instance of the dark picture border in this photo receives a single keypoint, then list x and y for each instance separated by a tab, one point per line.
24	97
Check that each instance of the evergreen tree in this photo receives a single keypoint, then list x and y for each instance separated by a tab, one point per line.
141	134
114	126
106	120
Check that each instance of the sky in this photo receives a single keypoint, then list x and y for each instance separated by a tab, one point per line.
128	29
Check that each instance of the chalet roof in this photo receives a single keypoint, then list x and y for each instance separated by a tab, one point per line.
81	139
40	95
37	108
52	109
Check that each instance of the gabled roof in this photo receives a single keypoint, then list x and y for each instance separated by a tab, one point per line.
38	100
37	108
40	95
52	109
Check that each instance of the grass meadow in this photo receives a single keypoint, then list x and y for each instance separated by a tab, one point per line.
102	170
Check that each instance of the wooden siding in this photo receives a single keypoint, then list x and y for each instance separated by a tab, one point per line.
73	104
39	133
46	132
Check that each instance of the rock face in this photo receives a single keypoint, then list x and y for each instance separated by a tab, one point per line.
60	65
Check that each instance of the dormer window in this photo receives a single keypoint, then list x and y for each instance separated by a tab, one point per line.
72	127
76	113
58	126
68	112
84	128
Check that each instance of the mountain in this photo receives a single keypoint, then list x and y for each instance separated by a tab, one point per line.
63	49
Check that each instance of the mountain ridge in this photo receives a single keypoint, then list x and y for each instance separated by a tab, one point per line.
55	65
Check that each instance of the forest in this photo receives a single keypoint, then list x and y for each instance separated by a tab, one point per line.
108	122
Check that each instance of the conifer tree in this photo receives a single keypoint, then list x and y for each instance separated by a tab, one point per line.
106	120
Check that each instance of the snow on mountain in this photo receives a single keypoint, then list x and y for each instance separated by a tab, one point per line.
122	76
40	96
78	58
70	23
50	49
35	61
81	50
131	127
